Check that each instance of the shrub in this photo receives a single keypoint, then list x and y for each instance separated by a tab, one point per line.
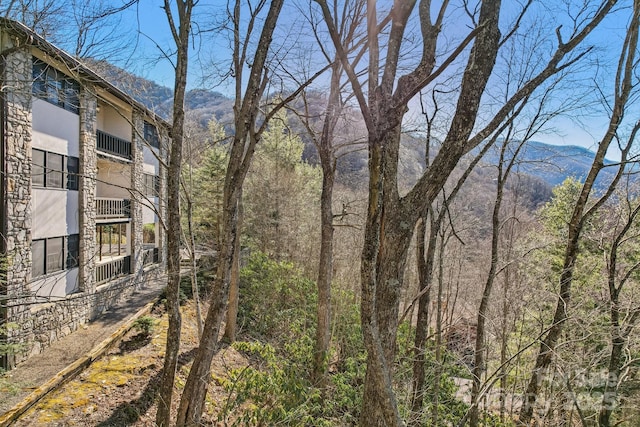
144	325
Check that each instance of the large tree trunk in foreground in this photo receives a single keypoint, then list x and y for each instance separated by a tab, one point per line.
181	38
391	219
246	110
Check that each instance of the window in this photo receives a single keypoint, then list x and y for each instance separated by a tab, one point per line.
38	167
54	254
73	167
53	170
55	87
151	185
38	254
151	135
73	251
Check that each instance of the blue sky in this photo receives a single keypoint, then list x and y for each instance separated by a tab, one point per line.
154	29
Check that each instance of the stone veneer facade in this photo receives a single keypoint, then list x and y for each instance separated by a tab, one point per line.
87	188
137	183
17	186
39	324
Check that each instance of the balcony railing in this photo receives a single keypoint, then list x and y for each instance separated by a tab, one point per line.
113	145
111	270
112	208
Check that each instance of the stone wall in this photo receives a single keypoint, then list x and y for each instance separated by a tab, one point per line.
17	190
137	187
43	324
87	188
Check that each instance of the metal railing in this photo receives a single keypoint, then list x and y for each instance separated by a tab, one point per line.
113	145
111	270
112	208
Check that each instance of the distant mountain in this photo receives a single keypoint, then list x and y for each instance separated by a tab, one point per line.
546	164
555	163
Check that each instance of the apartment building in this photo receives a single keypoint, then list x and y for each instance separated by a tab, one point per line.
82	185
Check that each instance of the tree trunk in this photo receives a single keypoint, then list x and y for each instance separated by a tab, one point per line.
425	274
194	265
618	342
479	360
181	38
246	110
234	285
435	403
325	273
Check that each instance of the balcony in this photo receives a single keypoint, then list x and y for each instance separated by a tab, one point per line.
107	208
112	269
113	145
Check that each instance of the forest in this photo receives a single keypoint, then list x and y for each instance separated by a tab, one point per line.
362	219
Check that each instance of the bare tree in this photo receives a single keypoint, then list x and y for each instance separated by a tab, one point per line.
626	81
180	30
246	110
349	22
623	316
391	218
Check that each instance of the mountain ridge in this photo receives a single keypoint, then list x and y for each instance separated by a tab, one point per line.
551	163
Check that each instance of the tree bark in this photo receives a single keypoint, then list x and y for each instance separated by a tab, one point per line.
391	219
181	37
231	323
425	273
325	272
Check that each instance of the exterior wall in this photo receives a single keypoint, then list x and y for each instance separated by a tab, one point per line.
114	179
56	286
55	129
87	188
112	122
137	183
43	324
55	213
17	187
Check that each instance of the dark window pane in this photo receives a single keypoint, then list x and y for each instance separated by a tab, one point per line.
38	257
73	168
37	167
73	250
55	87
39	78
55	254
54	170
151	135
71	101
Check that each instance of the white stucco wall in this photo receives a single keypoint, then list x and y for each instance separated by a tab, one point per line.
55	213
151	164
55	129
113	122
58	284
148	214
113	179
